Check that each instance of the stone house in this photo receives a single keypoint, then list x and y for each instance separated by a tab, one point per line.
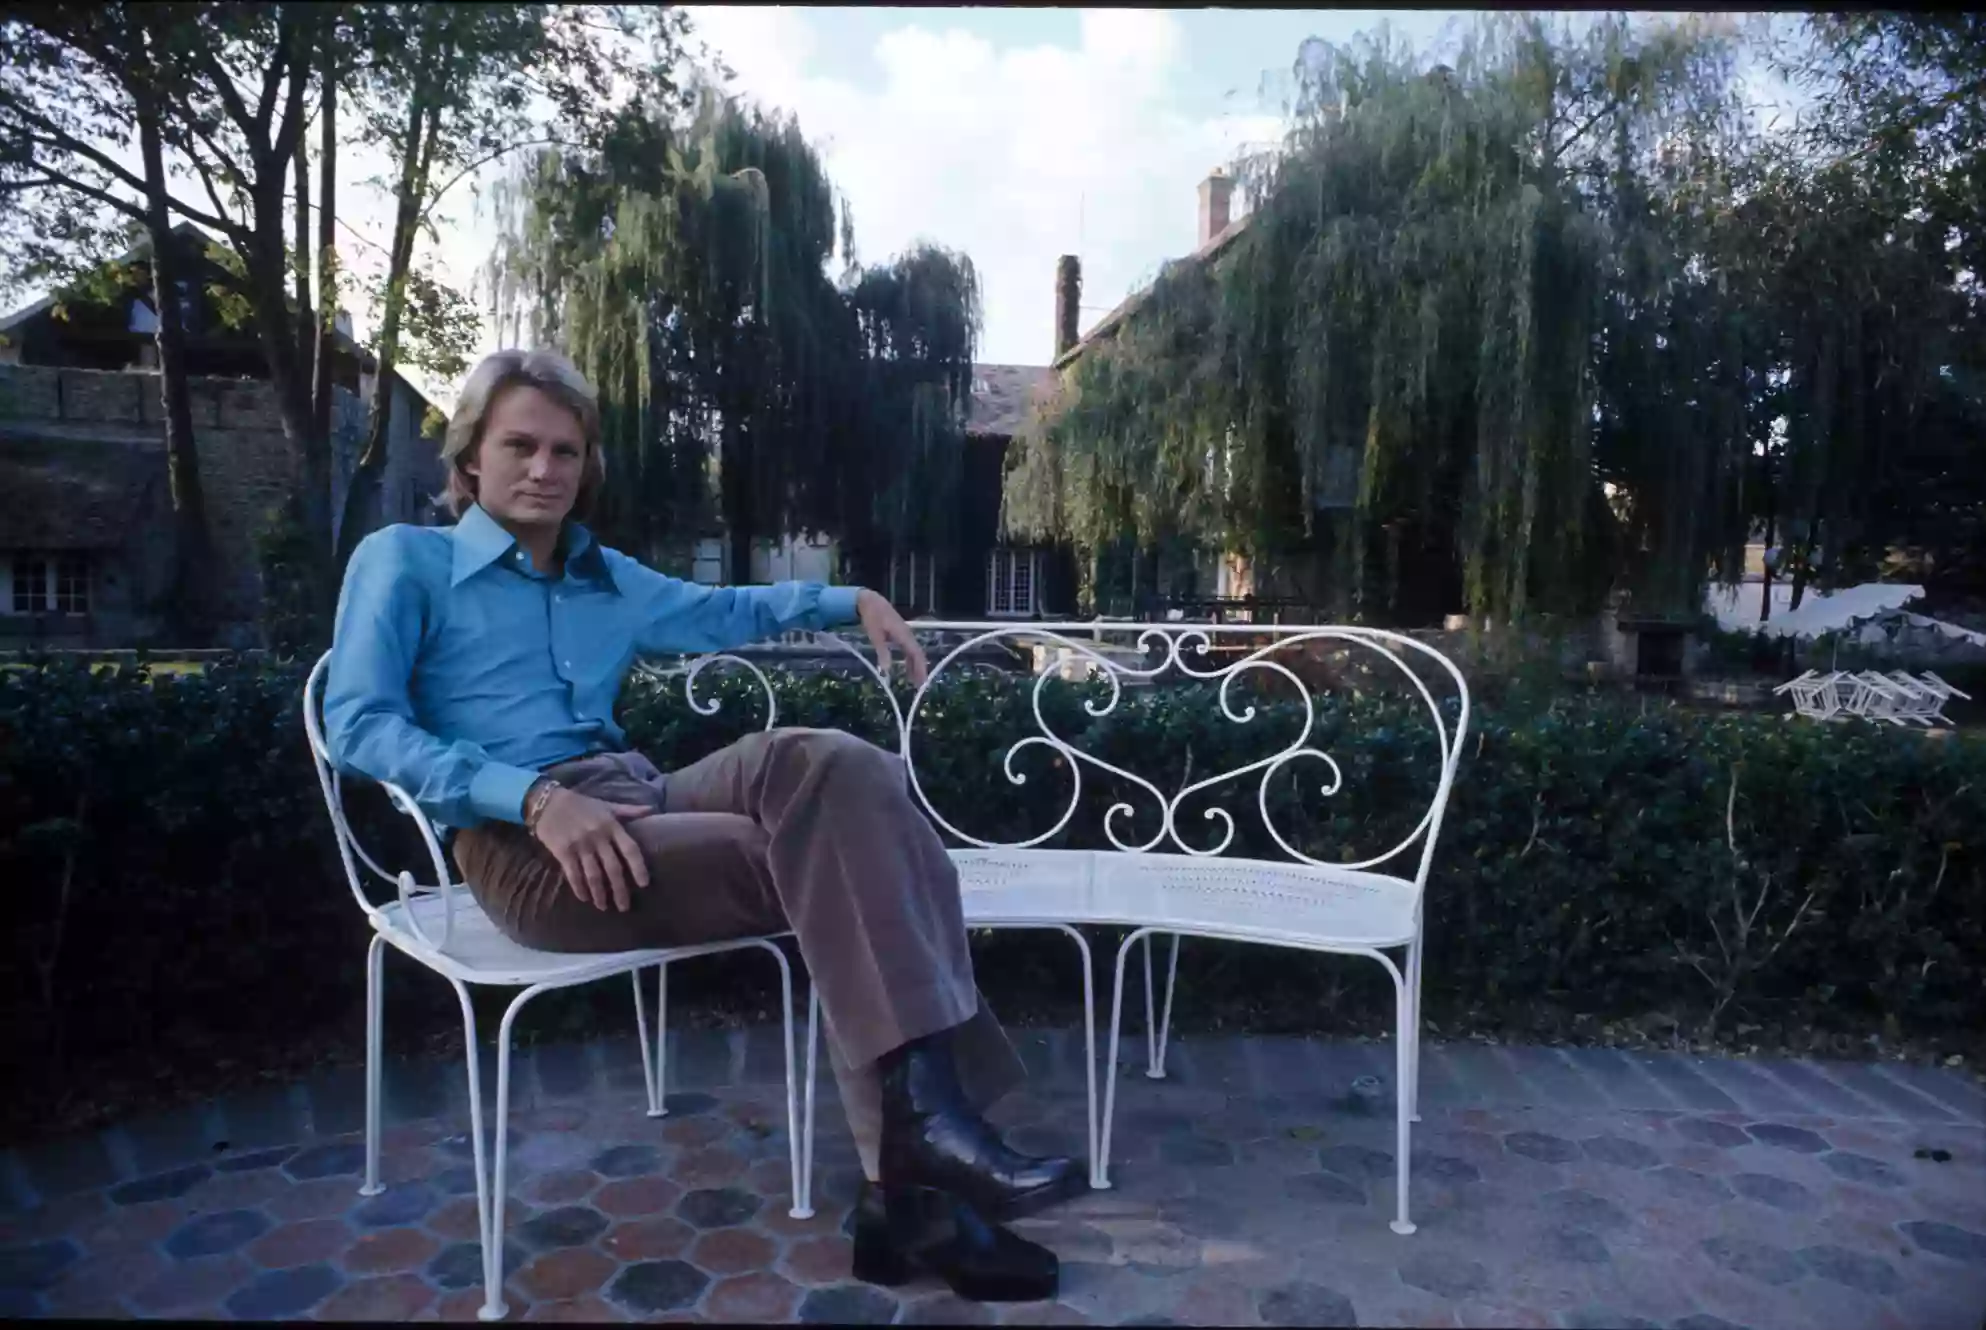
85	503
1119	583
981	576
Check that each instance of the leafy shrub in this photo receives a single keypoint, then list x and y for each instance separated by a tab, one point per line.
174	887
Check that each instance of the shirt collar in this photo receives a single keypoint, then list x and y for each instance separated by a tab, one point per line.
480	541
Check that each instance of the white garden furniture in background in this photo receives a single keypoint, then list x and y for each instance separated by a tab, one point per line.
1895	697
1167	881
440	925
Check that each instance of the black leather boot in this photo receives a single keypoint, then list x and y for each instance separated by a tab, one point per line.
902	1232
933	1137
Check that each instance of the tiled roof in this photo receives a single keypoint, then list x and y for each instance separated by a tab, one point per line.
66	492
1002	396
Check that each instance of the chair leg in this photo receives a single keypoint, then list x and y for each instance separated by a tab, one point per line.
799	1141
1403	1060
1413	1081
654	1067
375	1032
803	1192
492	1308
662	1040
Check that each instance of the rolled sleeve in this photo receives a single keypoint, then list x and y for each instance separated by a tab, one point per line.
838	605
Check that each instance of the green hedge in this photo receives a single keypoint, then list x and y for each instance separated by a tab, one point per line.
164	842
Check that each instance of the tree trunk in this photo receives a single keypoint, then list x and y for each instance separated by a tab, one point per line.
310	457
322	380
193	599
1765	597
300	260
362	507
1800	578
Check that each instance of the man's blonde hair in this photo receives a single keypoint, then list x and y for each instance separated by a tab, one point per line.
550	373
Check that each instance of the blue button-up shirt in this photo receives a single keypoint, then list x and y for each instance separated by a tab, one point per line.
459	671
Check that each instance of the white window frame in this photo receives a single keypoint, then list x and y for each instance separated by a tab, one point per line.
1004	563
54	564
912	572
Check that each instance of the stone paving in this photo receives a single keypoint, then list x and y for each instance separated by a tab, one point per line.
1552	1188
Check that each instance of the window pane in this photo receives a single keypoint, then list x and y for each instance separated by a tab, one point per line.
1001	582
72	585
30	585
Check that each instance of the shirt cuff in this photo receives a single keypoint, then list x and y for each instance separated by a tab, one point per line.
497	791
837	605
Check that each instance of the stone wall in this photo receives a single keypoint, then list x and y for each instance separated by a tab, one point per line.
244	468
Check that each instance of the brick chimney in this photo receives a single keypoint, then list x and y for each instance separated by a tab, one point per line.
1068	302
1216	204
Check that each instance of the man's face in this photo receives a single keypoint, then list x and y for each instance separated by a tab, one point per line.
530	460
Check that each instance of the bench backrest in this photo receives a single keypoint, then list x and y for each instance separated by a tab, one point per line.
1213	657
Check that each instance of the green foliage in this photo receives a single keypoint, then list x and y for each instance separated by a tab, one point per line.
1594	858
1561	317
293	624
684	267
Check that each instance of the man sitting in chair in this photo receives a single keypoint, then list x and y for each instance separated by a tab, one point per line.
477	668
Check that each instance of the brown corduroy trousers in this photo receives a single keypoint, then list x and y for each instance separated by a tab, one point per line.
809	830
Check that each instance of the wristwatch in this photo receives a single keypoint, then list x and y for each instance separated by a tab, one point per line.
536	798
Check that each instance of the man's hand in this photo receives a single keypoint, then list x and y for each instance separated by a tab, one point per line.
594	850
884	625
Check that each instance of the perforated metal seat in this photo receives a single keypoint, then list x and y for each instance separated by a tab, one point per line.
1246	900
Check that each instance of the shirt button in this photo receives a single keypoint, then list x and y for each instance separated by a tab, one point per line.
568	664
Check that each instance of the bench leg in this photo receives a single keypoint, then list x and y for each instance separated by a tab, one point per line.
1157	1032
375	1040
1101	1172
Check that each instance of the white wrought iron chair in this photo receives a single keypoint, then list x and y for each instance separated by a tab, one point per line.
1302	903
440	926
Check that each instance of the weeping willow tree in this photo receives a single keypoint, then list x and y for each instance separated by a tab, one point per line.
685	269
1407	366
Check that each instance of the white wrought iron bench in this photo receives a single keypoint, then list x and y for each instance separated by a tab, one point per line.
1166	881
439	925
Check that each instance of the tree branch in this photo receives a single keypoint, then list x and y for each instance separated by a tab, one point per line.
230	97
1580	133
291	131
486	159
61	141
272	77
131	210
232	232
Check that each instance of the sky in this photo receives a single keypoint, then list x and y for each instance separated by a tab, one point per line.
1018	135
1011	135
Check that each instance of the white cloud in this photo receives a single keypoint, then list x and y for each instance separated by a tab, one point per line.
1013	156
